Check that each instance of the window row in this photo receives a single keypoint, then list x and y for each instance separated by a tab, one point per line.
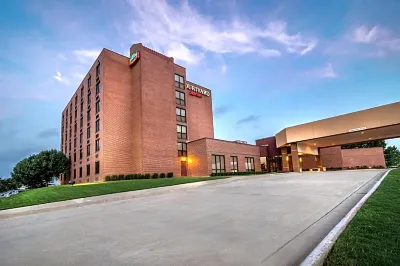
182	149
97	149
180	115
181	132
218	164
179	81
97	127
96	170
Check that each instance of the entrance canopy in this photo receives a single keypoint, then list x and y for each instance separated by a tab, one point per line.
377	123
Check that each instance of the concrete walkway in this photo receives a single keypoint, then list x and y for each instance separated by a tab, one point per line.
259	220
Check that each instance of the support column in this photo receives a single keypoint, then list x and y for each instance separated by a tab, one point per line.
285	160
295	158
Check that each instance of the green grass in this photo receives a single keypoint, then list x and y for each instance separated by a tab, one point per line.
373	235
66	192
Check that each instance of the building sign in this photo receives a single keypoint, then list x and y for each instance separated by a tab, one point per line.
196	91
134	57
357	129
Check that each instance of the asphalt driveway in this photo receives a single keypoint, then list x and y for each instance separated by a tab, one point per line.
258	220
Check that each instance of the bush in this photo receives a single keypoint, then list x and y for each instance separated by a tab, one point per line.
135	176
154	176
108	178
114	178
129	177
162	175
147	176
121	177
170	174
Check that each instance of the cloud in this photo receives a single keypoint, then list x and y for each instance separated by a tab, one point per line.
248	119
48	133
181	52
364	35
380	38
60	78
221	110
326	71
159	24
86	56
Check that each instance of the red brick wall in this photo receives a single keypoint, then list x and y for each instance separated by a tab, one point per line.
116	126
200	151
199	115
331	157
308	162
271	149
363	157
158	113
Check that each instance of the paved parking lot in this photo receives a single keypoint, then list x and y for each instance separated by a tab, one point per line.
258	220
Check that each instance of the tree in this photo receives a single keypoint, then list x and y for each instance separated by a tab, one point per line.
367	144
39	170
8	184
392	156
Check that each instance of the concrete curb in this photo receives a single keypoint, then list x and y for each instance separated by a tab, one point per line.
4	214
320	252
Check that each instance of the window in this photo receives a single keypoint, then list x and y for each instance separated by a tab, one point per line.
69	145
80	138
87	169
81	107
70	119
89	97
98	69
88	132
80	171
182	149
80	154
75	127
70	132
97	106
89	82
250	164
97	145
76	113
74	156
181	132
218	163
88	150
180	114
75	142
88	115
74	173
179	82
97	125
97	167
81	122
66	113
76	99
234	164
82	93
180	98
98	87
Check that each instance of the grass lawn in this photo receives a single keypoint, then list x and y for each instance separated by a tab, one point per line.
66	192
373	235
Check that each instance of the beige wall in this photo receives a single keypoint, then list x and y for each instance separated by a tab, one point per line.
381	116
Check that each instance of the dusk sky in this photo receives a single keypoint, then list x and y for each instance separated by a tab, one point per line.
269	64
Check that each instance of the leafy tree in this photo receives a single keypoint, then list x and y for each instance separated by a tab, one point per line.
392	156
8	184
367	144
39	170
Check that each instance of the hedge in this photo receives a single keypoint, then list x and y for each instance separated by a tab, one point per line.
138	176
238	173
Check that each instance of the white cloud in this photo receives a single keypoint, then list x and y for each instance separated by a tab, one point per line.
181	52
223	69
86	56
326	71
60	78
158	24
364	35
380	37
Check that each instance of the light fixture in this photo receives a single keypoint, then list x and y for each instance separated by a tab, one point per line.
369	138
362	132
287	158
301	159
333	144
315	144
183	159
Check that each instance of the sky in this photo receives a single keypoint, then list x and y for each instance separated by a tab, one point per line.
270	64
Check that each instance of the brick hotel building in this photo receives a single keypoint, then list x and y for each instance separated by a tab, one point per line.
141	115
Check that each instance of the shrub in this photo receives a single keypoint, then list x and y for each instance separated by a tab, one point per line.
129	177
147	176
121	177
154	176
170	174
108	178
162	175
114	177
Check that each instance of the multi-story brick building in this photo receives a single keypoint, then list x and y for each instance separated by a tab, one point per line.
137	115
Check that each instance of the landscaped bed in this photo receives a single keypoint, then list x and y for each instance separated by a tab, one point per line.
373	235
67	192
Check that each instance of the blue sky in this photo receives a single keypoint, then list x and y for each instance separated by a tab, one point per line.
270	64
